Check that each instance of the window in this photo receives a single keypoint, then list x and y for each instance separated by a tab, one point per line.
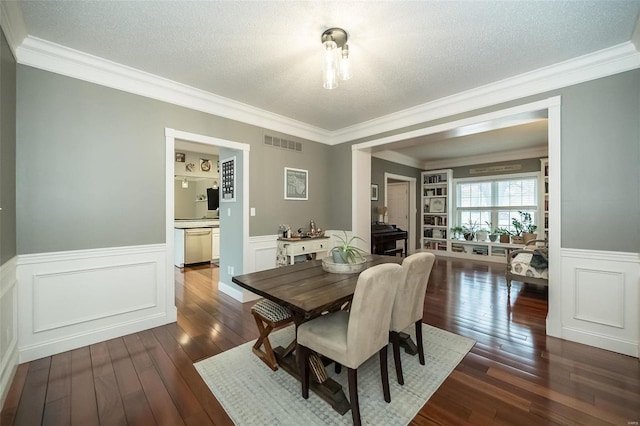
495	200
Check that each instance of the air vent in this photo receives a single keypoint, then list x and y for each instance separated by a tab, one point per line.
282	143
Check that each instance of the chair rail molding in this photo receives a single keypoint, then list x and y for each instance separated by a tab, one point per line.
601	294
76	298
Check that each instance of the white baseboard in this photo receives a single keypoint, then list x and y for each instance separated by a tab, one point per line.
73	299
600	298
8	325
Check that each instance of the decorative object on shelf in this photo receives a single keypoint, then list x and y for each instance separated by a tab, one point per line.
505	235
335	57
296	184
493	236
482	234
438	205
374	192
382	211
457	232
469	230
180	157
190	167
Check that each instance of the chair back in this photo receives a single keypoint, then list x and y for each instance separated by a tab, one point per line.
408	306
370	313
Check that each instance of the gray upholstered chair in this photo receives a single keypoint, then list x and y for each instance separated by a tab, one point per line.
408	306
350	338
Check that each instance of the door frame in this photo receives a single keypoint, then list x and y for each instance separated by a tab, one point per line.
361	184
413	212
170	136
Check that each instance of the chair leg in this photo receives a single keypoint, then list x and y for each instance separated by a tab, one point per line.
384	372
338	367
304	370
419	341
353	396
395	342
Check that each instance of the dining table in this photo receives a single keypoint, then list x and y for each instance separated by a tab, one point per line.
309	291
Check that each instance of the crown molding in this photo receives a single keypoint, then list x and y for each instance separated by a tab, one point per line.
398	158
12	23
59	59
613	60
487	158
62	60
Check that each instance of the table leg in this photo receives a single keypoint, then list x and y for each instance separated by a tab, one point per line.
323	386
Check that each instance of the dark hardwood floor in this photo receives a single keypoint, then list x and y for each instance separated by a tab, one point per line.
514	375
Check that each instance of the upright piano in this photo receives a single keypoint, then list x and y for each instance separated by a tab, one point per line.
384	237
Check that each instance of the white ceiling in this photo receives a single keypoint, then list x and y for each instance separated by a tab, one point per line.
267	53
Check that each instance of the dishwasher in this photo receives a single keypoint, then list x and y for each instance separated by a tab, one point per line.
197	245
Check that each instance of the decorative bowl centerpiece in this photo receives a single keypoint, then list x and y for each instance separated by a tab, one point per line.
345	258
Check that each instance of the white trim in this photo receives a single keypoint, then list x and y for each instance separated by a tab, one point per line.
52	57
413	212
611	256
45	328
39	53
12	23
396	157
487	158
9	353
552	105
170	136
605	62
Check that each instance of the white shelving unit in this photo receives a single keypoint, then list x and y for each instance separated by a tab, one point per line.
543	185
436	210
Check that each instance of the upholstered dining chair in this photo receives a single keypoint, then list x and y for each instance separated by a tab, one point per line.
408	306
351	337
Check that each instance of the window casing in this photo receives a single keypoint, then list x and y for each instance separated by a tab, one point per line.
495	200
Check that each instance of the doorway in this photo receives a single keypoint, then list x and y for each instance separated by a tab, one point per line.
234	217
361	172
400	199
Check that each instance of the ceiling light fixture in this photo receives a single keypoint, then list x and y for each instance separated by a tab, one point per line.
336	57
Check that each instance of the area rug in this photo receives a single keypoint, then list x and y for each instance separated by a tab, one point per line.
252	394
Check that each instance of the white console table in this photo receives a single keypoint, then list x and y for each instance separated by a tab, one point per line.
289	248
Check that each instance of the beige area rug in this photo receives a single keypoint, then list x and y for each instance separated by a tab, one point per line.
252	394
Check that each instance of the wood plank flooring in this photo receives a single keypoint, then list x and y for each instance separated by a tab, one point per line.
514	375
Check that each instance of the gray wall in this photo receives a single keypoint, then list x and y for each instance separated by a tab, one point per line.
91	166
600	161
7	152
378	168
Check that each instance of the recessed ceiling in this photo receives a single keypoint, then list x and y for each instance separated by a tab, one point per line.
267	53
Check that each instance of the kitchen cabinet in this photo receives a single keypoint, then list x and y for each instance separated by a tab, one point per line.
215	243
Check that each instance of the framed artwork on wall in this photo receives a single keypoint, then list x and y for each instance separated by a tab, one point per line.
437	205
205	165
374	192
180	157
296	184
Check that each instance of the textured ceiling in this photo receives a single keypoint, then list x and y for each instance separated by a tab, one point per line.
267	53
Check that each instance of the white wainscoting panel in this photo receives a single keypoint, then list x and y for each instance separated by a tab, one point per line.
600	293
8	326
73	299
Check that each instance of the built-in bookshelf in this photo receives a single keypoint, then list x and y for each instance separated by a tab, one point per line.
436	209
543	223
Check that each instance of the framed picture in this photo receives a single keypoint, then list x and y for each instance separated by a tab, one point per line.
205	165
296	184
228	175
438	205
180	157
374	192
190	167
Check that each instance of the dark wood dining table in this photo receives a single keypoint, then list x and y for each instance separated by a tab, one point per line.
308	291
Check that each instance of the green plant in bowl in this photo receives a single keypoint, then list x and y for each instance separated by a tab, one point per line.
346	252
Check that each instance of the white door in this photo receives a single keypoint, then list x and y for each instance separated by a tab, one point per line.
398	206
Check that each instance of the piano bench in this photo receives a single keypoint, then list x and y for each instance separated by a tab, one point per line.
394	252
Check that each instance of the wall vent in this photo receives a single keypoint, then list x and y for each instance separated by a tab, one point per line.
277	142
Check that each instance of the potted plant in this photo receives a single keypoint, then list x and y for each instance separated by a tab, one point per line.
347	258
504	234
469	230
457	232
524	229
346	252
493	235
483	233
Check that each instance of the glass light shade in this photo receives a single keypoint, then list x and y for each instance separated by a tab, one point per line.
330	64
345	66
